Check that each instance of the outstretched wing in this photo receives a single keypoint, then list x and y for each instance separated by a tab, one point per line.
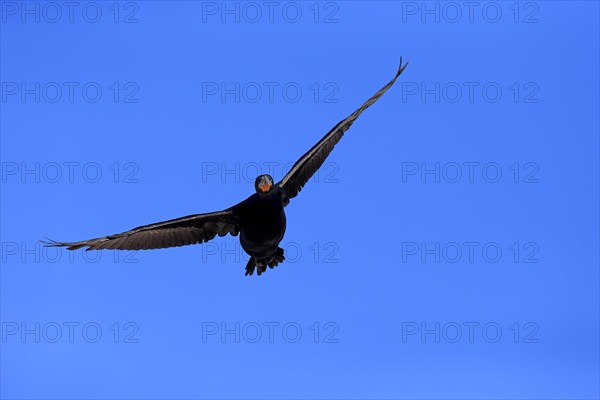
183	231
310	162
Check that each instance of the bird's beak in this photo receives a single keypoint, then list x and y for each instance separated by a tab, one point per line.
265	185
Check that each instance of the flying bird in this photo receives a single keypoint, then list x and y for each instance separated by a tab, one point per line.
259	220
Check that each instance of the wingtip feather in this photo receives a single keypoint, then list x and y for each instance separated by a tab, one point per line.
401	67
47	242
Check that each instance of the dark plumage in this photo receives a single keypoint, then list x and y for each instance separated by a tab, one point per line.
259	219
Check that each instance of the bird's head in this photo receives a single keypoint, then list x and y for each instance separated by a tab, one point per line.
263	183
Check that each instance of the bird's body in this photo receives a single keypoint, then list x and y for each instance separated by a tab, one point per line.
259	220
262	221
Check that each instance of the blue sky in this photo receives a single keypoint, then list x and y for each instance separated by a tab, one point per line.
448	248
